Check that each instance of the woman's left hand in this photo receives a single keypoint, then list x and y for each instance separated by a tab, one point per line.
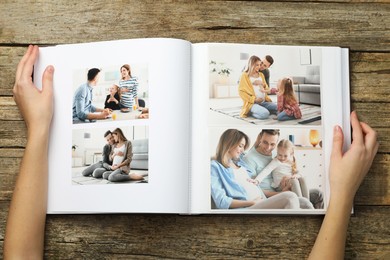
35	105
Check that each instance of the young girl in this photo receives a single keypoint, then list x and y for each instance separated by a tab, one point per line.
128	87
288	107
112	99
282	166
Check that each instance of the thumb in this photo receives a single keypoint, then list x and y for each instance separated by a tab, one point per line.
47	79
338	140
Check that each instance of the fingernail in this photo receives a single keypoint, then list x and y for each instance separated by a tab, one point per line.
336	129
50	69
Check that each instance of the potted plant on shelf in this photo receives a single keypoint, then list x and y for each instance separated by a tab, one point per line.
220	69
74	150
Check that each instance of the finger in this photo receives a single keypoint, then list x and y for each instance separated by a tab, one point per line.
357	135
47	80
19	69
370	137
338	141
29	64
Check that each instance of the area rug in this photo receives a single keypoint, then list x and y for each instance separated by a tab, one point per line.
311	115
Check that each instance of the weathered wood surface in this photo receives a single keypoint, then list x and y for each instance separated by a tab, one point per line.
363	26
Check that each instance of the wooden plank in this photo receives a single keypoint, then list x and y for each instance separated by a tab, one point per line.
375	189
208	237
9	59
370	75
359	26
159	236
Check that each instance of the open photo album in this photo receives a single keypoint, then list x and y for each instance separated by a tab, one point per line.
167	126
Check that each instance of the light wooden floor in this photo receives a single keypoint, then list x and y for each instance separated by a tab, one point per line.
79	179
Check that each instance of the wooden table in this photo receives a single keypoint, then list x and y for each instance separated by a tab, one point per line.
363	26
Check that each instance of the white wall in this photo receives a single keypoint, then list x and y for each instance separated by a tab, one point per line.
286	60
97	140
301	135
111	75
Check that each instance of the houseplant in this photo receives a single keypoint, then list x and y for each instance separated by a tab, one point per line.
221	69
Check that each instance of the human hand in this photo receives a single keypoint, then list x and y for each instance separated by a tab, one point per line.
105	113
120	153
112	98
114	167
285	183
258	100
256	182
36	106
257	82
347	171
257	200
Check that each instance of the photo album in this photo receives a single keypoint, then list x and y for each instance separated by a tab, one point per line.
164	125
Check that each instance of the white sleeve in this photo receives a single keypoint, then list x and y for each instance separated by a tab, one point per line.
267	170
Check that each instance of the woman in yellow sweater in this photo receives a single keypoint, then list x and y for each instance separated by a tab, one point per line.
253	91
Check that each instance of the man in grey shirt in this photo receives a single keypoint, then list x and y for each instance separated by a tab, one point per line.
106	162
260	155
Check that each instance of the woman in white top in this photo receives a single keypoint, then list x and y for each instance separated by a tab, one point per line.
122	155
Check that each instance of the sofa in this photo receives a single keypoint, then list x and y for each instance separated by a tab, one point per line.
140	154
307	88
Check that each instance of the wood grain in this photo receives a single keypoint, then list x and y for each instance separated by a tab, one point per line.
362	26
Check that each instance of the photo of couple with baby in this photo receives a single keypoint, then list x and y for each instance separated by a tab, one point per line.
122	101
267	176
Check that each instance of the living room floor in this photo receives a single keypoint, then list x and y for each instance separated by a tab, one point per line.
225	111
79	179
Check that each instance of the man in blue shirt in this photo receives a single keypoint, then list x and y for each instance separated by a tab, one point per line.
82	101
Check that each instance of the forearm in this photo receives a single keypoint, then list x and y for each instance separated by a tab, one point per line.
270	193
27	214
241	204
92	116
330	242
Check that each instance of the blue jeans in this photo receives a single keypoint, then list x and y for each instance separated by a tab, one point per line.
282	116
263	110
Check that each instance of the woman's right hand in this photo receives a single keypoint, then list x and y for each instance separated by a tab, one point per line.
347	170
258	100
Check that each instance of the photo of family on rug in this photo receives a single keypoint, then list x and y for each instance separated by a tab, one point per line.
101	156
250	93
273	173
110	94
